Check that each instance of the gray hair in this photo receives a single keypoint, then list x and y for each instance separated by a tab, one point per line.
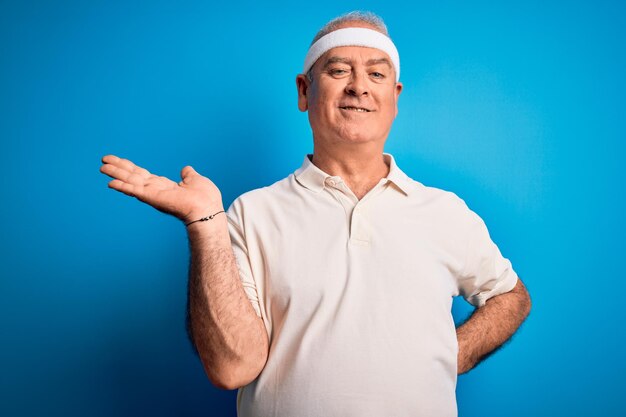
354	16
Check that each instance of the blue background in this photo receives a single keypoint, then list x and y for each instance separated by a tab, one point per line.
518	108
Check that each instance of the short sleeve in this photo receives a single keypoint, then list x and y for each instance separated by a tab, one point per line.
240	249
486	272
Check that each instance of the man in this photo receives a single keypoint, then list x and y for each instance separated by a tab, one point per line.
329	292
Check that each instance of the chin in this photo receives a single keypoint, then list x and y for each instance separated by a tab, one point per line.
357	135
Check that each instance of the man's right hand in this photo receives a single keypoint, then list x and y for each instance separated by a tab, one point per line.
192	198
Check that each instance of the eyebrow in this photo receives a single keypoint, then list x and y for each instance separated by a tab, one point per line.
376	61
373	61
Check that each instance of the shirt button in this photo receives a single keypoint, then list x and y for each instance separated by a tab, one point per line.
330	182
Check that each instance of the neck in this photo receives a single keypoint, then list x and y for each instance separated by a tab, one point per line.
361	168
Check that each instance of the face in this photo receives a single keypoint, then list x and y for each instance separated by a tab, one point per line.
352	97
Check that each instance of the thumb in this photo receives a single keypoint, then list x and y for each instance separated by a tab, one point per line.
187	173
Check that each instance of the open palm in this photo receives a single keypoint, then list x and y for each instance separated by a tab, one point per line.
195	196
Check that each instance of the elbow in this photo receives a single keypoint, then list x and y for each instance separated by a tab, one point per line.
525	304
236	370
225	383
234	375
228	385
234	360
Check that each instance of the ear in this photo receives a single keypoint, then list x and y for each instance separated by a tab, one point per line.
302	83
398	90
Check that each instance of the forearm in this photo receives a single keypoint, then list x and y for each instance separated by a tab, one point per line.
490	326
231	339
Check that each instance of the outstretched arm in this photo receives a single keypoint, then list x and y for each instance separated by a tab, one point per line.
491	325
230	338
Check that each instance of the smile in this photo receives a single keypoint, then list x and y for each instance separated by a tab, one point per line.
358	109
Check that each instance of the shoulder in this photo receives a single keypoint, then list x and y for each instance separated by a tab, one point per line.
444	204
435	195
262	199
423	194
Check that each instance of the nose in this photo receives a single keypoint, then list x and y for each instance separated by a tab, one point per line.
357	85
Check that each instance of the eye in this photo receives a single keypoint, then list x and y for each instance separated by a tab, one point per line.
378	75
337	72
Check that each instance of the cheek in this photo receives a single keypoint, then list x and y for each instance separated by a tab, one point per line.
327	93
316	99
390	105
323	108
318	114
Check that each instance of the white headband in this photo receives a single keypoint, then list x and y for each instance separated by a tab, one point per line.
353	37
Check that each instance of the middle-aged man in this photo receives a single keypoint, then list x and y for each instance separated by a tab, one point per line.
329	292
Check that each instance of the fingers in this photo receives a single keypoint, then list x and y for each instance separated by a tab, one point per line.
124	187
109	159
118	173
124	170
126	165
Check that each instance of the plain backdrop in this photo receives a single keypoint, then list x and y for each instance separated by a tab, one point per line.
518	108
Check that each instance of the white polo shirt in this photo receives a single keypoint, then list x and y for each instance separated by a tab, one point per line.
356	295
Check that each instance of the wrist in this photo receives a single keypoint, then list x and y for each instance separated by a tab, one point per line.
202	212
215	230
205	218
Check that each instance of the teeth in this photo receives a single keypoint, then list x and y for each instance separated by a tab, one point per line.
355	109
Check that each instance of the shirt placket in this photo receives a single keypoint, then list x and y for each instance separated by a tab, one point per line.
357	214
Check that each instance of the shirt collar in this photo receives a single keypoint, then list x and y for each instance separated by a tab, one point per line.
313	178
